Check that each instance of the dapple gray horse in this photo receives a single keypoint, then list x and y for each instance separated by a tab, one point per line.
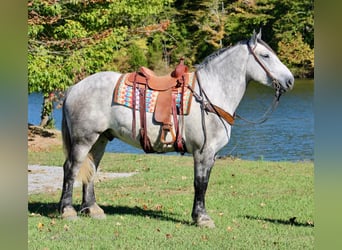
91	119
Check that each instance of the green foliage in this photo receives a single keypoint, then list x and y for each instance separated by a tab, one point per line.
298	54
137	56
69	40
71	29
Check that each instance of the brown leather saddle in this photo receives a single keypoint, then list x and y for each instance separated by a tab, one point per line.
168	86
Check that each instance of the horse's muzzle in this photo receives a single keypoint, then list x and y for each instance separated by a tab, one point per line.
289	83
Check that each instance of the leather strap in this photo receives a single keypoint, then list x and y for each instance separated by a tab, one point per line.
220	112
144	140
179	144
133	107
209	107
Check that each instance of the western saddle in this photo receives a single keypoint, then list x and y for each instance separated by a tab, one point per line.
168	86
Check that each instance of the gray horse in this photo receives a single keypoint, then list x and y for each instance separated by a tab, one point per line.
91	119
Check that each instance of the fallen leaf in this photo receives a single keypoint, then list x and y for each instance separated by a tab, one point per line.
205	237
40	226
158	207
229	229
168	236
311	223
262	204
66	227
54	237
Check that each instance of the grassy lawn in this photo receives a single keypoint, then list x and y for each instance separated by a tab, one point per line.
255	205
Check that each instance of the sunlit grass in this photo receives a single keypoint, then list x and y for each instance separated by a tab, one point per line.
255	205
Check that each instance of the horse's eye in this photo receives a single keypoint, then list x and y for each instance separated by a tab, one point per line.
265	55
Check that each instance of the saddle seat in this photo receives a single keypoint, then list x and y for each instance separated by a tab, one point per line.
148	77
159	83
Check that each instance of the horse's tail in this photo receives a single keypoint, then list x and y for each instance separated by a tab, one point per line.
86	171
65	134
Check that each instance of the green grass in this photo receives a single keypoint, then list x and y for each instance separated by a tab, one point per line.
253	204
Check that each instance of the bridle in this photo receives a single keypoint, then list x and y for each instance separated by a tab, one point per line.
279	89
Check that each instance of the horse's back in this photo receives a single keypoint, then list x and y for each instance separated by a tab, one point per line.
87	104
96	84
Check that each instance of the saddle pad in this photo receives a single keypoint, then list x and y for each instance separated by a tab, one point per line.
123	94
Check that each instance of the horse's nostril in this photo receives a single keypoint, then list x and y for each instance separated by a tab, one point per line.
289	83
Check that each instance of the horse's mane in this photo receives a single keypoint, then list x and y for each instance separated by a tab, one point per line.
216	54
219	52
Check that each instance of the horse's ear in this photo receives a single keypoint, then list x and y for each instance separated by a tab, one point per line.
258	36
253	39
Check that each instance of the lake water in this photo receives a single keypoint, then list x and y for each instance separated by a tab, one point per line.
287	135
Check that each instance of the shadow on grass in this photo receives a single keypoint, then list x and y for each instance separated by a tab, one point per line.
291	221
51	210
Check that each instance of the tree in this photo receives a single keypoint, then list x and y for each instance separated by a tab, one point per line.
69	40
294	30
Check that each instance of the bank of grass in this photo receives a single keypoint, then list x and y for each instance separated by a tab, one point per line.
255	205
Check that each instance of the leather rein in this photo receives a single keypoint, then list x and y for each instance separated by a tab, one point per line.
208	106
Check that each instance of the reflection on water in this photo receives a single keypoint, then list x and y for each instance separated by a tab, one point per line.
287	135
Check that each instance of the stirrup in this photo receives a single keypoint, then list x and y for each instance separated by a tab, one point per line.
167	128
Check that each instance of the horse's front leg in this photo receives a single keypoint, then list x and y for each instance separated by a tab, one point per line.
203	164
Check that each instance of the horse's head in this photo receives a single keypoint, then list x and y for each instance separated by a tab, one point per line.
265	67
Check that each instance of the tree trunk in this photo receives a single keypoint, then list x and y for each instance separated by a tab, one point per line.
46	115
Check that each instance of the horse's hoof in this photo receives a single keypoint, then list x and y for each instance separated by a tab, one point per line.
205	221
69	213
94	211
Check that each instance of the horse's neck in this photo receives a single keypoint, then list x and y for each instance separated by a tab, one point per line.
224	79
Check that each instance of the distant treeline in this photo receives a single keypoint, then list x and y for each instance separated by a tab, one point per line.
69	40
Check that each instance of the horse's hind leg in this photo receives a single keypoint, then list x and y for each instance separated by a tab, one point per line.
203	163
76	157
89	205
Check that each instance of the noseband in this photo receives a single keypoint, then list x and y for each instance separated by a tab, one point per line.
279	89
